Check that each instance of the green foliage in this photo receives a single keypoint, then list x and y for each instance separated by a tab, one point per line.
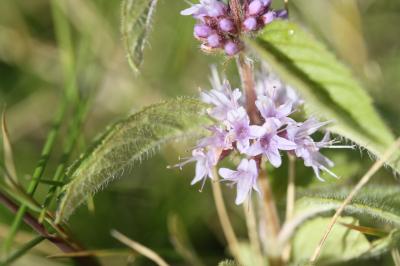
127	142
381	204
327	85
135	26
343	244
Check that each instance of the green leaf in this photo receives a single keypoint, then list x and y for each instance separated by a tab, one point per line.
343	244
326	84
135	26
127	142
379	205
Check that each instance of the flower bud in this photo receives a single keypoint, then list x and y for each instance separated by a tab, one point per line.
266	3
231	48
202	31
226	25
250	23
282	13
268	17
255	7
214	40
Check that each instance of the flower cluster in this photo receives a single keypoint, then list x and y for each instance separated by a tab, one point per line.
218	28
278	132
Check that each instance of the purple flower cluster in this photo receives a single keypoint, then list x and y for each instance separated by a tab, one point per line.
217	27
234	133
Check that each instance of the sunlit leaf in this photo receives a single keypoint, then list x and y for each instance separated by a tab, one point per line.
326	84
135	26
378	205
127	142
342	244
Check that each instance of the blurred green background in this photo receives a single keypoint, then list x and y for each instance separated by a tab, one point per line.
364	34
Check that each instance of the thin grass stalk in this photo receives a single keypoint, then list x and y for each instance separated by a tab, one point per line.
37	174
59	175
363	181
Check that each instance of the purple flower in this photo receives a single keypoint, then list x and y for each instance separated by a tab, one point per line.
255	7
214	40
270	111
219	140
223	99
202	31
205	161
245	179
308	149
250	23
282	13
241	130
270	143
271	87
268	17
231	48
210	8
226	25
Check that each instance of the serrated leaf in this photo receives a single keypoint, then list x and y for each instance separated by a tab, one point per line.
135	26
127	142
326	84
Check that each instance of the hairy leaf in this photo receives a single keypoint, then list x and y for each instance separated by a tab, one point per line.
227	263
380	205
135	26
127	142
343	244
327	85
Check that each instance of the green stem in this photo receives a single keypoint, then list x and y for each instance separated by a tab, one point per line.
20	252
37	174
59	175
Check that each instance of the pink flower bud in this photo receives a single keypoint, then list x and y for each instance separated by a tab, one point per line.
250	23
202	31
268	17
214	40
255	7
231	48
226	25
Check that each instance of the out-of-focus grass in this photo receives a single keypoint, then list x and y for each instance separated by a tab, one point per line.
364	34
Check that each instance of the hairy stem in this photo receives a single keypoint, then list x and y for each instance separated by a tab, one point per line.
364	180
247	77
226	224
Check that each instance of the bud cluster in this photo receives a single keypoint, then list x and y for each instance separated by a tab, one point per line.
233	133
218	28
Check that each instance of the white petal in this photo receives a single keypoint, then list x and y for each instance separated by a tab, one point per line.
227	173
284	144
257	131
274	157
